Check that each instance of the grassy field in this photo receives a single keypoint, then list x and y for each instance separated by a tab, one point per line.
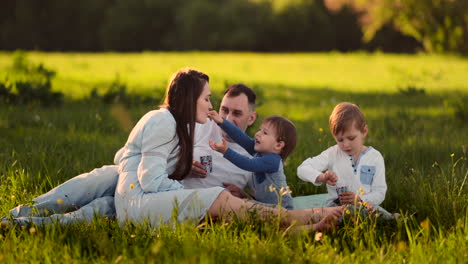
417	111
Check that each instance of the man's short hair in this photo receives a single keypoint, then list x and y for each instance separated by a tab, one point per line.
237	89
343	116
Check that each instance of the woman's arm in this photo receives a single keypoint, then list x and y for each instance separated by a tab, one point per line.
157	142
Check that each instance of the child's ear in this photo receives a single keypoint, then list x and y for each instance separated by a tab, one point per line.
279	146
366	129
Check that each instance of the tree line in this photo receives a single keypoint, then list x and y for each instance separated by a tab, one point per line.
176	25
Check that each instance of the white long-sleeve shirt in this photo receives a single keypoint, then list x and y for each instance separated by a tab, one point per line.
367	172
151	152
223	170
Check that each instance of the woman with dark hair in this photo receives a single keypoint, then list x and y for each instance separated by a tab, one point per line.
159	153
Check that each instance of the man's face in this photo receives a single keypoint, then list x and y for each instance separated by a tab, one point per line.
237	111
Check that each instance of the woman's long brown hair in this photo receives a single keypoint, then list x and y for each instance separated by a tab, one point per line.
181	98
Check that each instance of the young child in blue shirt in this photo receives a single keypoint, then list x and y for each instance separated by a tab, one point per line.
272	144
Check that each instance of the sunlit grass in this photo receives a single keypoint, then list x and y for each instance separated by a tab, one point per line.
354	72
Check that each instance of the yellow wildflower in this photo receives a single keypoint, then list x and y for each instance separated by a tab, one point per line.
32	230
321	130
361	191
452	155
401	245
59	201
272	188
13	197
347	211
285	191
132	186
426	224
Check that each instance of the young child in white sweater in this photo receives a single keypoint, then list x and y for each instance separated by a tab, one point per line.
354	173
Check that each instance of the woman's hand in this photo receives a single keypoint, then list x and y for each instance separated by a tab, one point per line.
328	223
222	147
320	213
198	170
213	115
349	198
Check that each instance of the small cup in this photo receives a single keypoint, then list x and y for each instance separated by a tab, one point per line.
207	162
341	189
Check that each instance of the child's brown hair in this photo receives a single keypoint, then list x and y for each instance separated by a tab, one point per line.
285	131
343	117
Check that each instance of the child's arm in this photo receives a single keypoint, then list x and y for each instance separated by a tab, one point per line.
268	163
234	132
378	186
311	169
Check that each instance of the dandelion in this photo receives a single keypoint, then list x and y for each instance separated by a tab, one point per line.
132	186
347	211
59	201
321	130
32	230
318	236
132	235
452	155
13	197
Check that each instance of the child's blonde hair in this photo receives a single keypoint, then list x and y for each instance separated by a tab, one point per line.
343	117
285	131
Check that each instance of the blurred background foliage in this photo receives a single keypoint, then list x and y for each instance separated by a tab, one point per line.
238	25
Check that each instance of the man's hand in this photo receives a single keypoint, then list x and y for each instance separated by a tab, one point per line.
198	170
328	177
213	115
348	198
222	147
236	191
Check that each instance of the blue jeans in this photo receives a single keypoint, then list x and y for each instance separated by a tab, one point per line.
76	200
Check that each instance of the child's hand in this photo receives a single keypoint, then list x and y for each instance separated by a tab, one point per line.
329	177
213	115
222	147
348	198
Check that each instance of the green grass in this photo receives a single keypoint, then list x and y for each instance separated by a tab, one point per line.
416	133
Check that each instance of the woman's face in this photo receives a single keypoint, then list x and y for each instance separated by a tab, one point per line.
204	104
